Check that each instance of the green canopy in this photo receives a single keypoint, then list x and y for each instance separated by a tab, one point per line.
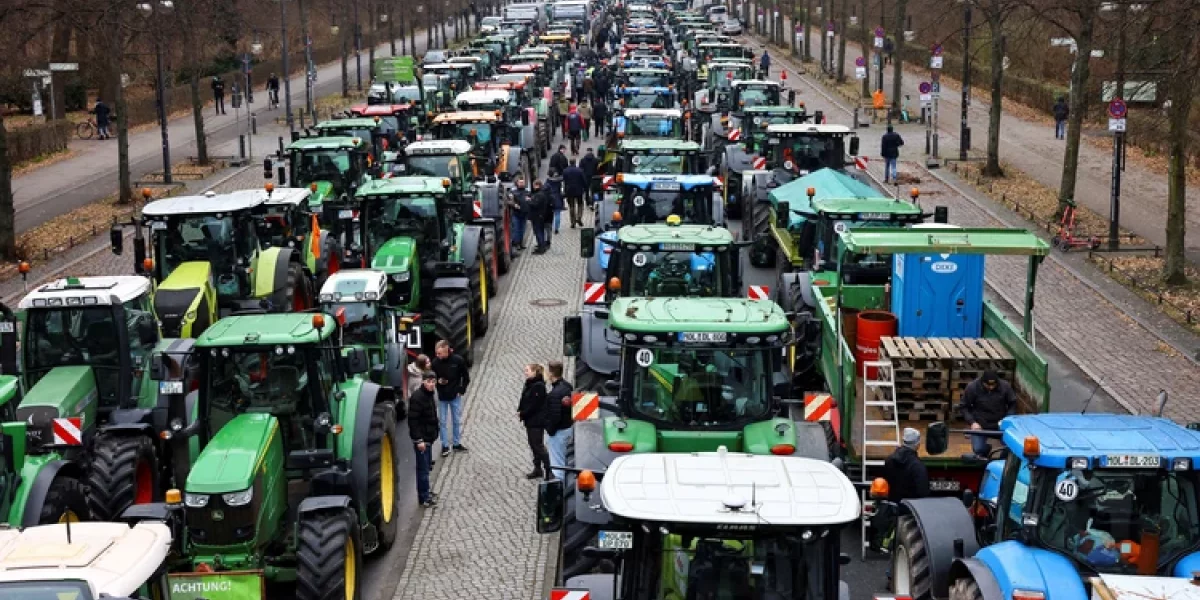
829	185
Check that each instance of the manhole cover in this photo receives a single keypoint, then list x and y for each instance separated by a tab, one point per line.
548	302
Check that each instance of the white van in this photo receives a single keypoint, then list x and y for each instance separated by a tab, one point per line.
716	14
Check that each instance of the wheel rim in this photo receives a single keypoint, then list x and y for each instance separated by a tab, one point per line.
387	479
483	289
143	484
351	568
901	577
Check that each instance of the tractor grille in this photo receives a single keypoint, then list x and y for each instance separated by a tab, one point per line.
220	525
399	293
172	306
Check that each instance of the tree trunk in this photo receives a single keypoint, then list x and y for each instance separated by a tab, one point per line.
191	62
898	54
843	28
808	14
865	40
125	178
346	31
826	48
372	22
996	25
60	51
1078	104
1180	94
8	233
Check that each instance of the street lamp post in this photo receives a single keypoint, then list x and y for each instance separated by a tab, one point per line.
964	132
287	73
357	47
148	10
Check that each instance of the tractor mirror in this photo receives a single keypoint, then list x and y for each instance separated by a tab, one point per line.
147	331
783	211
524	118
808	234
611	387
355	361
572	335
267	168
116	235
550	506
941	214
843	559
937	438
791	97
295	136
587	242
139	256
854	146
8	345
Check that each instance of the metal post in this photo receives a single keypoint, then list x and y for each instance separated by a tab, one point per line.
935	128
287	73
964	136
357	48
1114	219
162	110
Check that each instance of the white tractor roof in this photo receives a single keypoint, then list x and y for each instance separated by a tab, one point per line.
114	559
87	291
633	113
443	146
289	196
737	82
701	487
478	97
346	285
808	128
206	204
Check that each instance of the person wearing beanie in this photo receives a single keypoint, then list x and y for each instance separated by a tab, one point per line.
906	475
985	402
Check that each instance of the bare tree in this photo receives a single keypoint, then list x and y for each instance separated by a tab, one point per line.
996	13
190	17
1184	73
898	54
843	28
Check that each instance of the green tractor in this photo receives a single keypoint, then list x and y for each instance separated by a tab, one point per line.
357	298
209	261
742	147
696	375
286	220
335	165
296	474
368	129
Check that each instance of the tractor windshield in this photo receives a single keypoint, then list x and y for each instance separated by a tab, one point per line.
656	164
655	205
360	323
58	337
464	131
699	387
809	153
45	590
401	216
332	165
646	100
758	95
669	273
757	568
204	238
267	379
652	126
647	79
361	133
445	165
1107	512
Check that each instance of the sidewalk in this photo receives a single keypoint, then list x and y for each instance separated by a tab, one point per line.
91	174
1030	147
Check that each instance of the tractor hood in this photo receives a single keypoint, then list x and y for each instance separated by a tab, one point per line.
64	391
755	438
178	295
229	461
395	256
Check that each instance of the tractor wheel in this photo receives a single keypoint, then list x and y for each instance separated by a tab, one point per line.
383	493
452	322
504	258
64	500
487	247
329	557
965	589
122	474
297	295
587	380
912	574
477	275
760	257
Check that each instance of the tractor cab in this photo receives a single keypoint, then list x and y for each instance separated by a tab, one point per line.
336	165
663	259
638	123
406	220
494	144
645	97
654	198
488	100
753	122
702	524
716	95
647	77
461	74
643	40
724	49
480	61
797	150
752	93
357	299
658	157
525	71
443	158
396	121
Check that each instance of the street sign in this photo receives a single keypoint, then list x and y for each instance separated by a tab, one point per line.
878	32
829	33
860	72
799	29
1116	125
926	99
935	87
37	73
925	87
860	62
1117	108
829	27
1062	41
935	62
64	66
878	41
936	50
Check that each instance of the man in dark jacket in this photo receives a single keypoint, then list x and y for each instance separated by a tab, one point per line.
218	90
985	402
600	115
423	429
890	151
102	112
539	204
1061	112
518	202
453	379
575	184
558	417
907	478
558	161
589	163
531	411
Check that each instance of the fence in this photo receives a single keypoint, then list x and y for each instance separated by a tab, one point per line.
33	141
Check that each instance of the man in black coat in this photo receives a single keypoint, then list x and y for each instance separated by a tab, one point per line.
539	204
589	163
532	412
907	478
218	90
1061	112
575	185
558	161
558	417
890	150
423	429
453	377
600	114
518	202
985	402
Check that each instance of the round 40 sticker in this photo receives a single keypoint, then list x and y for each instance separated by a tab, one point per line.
789	165
1066	490
639	201
639	260
757	120
644	357
839	227
637	160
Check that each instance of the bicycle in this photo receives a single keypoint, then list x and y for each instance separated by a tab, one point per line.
272	99
87	130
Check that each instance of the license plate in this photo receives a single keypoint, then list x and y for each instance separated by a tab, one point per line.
158	225
669	187
945	485
6	327
703	337
345	214
1133	461
874	216
616	540
170	387
677	247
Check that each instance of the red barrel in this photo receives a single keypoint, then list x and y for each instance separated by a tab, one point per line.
872	325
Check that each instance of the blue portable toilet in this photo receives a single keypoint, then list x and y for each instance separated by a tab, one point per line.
938	295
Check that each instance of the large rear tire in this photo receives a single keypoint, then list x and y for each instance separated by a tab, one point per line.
965	589
452	322
64	500
587	380
912	574
329	557
477	275
122	474
575	535
297	294
487	246
761	254
383	487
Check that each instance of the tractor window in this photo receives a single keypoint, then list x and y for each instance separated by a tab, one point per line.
758	96
401	216
648	80
445	165
665	274
1102	527
322	165
651	126
703	568
809	153
463	131
360	323
655	206
143	335
83	336
45	590
194	238
647	100
699	387
657	164
270	379
362	133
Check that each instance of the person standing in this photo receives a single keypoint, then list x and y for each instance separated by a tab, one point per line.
103	114
531	411
564	107
907	477
416	370
558	417
590	164
575	185
218	90
453	379
554	184
890	151
574	130
558	161
1061	112
600	116
518	202
423	429
538	205
585	113
273	90
765	64
985	402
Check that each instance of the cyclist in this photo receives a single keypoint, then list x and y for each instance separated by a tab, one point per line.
273	90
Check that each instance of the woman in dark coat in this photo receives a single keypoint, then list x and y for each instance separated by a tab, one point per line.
531	411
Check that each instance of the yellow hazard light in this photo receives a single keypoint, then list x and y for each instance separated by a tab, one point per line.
446	183
1032	446
812	191
337	429
620	178
146	193
318	321
674	220
23	268
148	264
879	488
270	187
614	284
915	193
585	481
174	496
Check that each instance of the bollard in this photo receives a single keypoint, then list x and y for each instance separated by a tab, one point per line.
855	117
253	124
281	145
928	141
241	146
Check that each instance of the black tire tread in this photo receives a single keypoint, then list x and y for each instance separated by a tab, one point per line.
575	535
965	589
320	557
908	535
487	247
65	494
586	379
383	424
451	309
111	478
478	317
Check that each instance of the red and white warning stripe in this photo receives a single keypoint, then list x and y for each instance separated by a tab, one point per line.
718	182
860	162
477	209
607	182
758	292
759	163
68	431
817	406
562	594
585	406
593	293
735	135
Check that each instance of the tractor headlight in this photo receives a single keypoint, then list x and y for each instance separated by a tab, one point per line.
241	498
195	500
401	277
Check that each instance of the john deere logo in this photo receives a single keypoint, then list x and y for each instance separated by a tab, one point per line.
944	266
218	515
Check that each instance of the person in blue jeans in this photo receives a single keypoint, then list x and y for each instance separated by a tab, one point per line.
518	203
453	377
423	429
890	150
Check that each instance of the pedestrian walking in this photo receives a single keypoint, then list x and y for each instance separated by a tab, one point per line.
590	164
589	86
416	370
558	161
764	64
273	90
564	107
539	203
103	114
518	202
1061	112
423	428
575	184
453	379
985	402
218	90
558	417
574	130
531	411
585	113
888	47
600	116
554	184
890	150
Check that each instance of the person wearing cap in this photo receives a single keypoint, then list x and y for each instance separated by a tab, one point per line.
986	402
423	428
906	478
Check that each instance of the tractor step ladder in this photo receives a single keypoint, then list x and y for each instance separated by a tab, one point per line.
880	430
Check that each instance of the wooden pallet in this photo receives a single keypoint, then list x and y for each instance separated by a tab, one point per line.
915	354
930	385
921	374
926	416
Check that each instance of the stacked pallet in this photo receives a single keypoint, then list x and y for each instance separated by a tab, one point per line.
976	355
931	373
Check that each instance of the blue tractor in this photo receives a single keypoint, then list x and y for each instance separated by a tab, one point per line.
1067	498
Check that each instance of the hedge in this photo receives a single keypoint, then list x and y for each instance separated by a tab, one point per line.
28	143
